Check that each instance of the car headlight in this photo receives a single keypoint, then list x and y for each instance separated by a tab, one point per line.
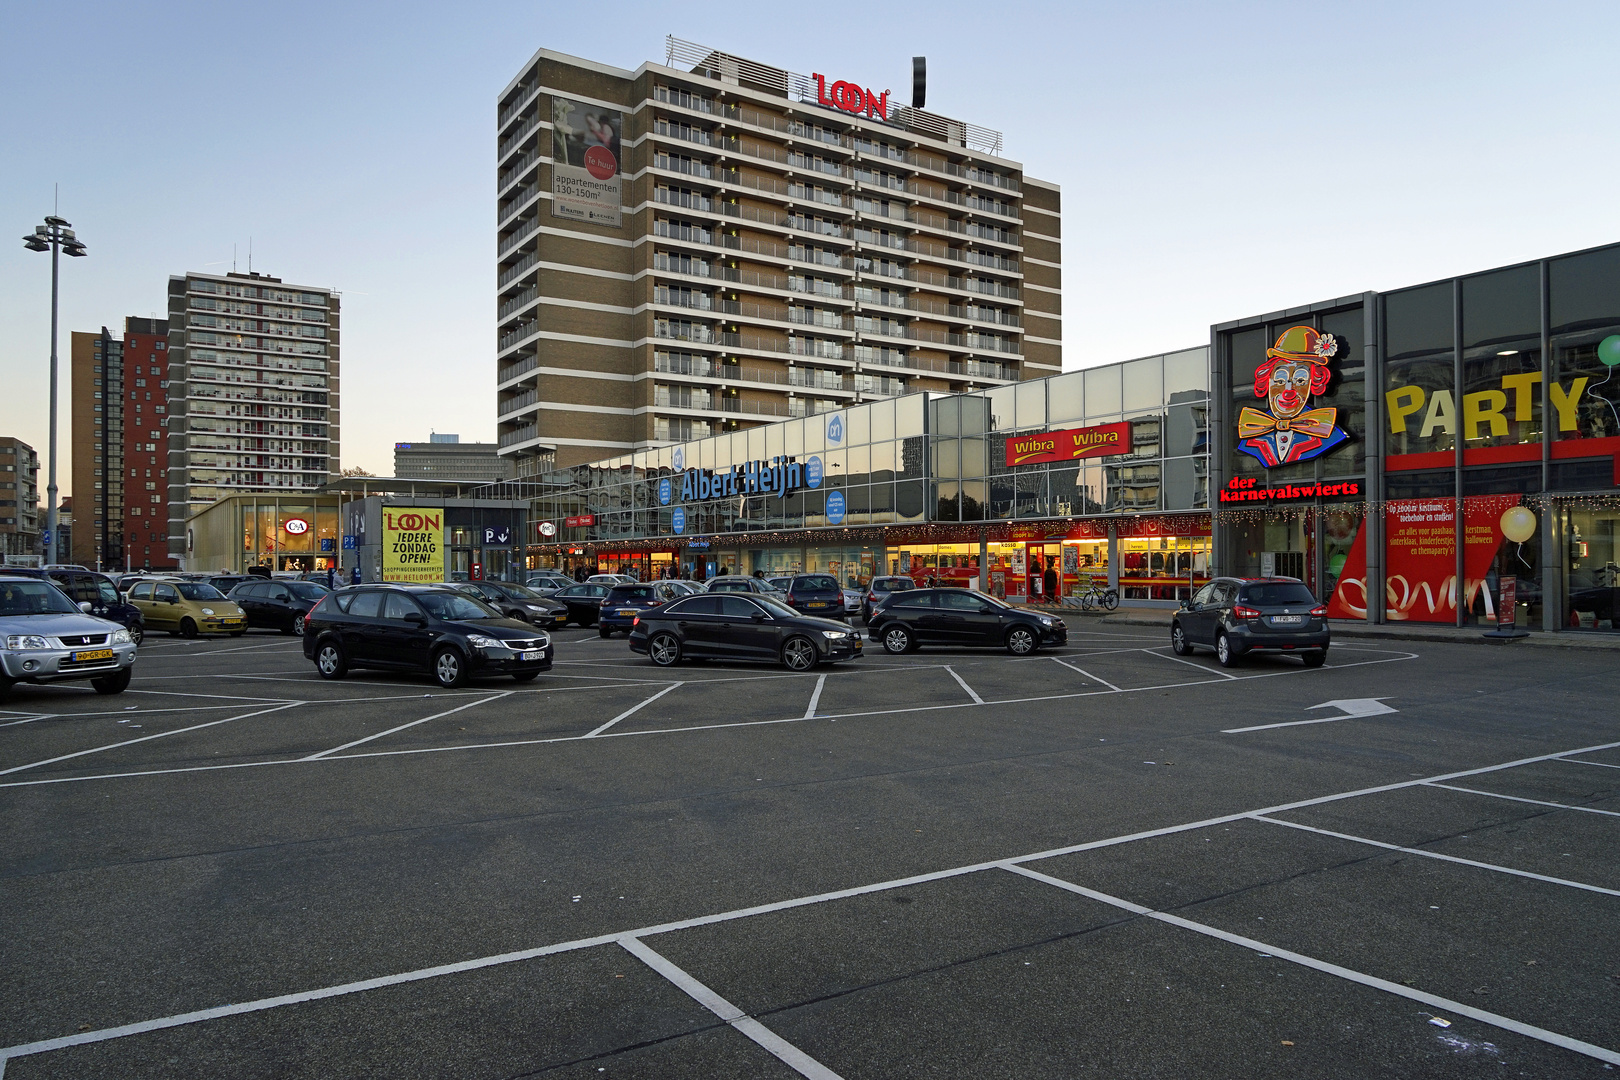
26	641
479	641
120	637
207	611
834	635
1046	620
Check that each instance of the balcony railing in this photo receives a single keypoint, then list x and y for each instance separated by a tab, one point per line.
515	336
513	272
525	229
522	434
522	298
512	371
517	136
516	404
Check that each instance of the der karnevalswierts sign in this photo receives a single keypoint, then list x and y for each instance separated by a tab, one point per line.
1072	443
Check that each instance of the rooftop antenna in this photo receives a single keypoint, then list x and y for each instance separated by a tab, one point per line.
233	258
250	256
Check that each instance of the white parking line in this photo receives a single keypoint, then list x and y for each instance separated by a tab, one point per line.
1457	1008
1533	802
1189	663
1599	764
631	711
815	698
1088	674
145	738
977	700
1437	855
459	708
786	1052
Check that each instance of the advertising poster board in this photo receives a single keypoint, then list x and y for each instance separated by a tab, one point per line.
585	183
413	544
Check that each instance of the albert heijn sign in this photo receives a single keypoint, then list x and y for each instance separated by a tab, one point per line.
851	98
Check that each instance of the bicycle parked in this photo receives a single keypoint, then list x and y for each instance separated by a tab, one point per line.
1098	595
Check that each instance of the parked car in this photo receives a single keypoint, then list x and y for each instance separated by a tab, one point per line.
430	628
517	602
675	588
97	590
584	602
277	605
852	601
1236	616
879	589
609	579
740	583
623	603
910	618
547	583
187	608
46	637
226	582
815	594
740	626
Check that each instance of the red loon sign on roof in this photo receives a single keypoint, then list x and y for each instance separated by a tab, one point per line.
851	98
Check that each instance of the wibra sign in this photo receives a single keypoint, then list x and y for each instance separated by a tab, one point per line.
851	98
1101	441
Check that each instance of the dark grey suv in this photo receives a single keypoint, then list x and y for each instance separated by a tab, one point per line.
1237	616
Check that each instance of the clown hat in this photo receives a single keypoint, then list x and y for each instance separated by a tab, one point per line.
1304	344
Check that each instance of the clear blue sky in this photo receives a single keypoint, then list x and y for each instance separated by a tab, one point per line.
1216	160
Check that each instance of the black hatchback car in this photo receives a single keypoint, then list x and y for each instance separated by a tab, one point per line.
516	602
584	602
815	594
447	634
1235	616
277	605
97	590
740	626
915	617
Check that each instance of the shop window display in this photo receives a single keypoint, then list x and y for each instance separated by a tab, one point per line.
1592	568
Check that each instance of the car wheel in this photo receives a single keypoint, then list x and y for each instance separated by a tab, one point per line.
114	683
1224	652
330	661
298	625
525	676
799	654
664	650
1021	641
604	631
1178	640
188	628
137	633
897	640
1315	659
237	633
449	668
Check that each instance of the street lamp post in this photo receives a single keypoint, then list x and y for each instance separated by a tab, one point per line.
55	236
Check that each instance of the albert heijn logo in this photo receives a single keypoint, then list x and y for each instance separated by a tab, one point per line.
851	98
835	429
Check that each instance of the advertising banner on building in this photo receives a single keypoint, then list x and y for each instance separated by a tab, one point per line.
585	183
1069	444
413	544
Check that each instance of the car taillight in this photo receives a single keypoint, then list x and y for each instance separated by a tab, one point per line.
1241	612
1320	612
636	621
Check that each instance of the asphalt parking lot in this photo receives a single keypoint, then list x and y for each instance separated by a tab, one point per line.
1102	860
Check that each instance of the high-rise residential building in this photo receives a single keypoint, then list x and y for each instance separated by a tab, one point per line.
19	500
714	243
446	457
120	458
253	391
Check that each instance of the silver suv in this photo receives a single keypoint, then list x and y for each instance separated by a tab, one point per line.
45	637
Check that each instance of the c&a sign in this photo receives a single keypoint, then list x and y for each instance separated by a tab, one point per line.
851	98
1067	445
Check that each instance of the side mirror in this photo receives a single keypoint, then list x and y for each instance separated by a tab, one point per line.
1186	605
85	606
416	618
759	616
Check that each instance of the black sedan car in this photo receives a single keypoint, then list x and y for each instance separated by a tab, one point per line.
1235	616
277	605
584	602
517	602
445	633
740	626
905	620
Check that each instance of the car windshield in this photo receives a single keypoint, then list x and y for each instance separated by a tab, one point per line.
516	592
307	590
454	607
1277	592
892	585
198	590
776	607
633	592
34	598
815	583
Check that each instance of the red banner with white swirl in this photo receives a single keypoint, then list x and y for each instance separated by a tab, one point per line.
1420	576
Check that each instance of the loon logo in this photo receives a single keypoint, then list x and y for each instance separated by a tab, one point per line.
835	429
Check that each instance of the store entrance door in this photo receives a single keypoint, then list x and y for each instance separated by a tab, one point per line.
1045	563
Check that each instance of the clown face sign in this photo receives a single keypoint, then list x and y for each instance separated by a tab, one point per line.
1296	369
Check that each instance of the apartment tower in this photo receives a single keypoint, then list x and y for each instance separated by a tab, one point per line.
96	436
253	391
714	243
19	501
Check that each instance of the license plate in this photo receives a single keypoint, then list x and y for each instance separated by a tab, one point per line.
819	603
627	611
1280	620
532	654
93	654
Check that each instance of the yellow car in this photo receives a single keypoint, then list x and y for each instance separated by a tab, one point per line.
187	608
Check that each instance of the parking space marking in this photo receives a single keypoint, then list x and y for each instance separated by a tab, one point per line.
1437	855
147	738
977	700
786	1052
369	738
213	697
630	711
815	698
262	1004
1089	675
1189	663
1599	764
1533	802
1457	1008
